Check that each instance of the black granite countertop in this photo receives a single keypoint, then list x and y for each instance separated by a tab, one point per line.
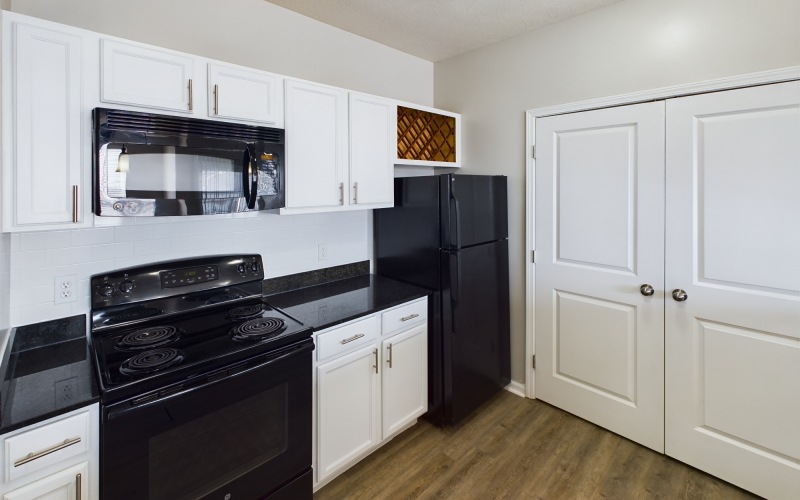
330	304
46	371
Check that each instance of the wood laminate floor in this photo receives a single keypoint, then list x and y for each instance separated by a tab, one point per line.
520	448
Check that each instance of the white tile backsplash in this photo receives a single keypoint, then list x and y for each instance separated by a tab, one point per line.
29	262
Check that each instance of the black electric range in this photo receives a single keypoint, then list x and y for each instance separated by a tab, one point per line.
198	374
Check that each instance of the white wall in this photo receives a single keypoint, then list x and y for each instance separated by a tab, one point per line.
288	244
249	32
252	33
629	46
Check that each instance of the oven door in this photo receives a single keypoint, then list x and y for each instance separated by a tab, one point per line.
240	432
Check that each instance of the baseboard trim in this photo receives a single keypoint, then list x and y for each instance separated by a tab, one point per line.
517	388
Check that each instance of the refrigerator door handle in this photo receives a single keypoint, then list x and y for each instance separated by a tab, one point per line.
454	240
455	277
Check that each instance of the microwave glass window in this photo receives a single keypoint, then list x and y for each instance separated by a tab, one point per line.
168	172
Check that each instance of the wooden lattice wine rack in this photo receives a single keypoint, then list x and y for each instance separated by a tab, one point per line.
422	135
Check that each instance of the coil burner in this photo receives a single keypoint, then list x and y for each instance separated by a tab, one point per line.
151	361
147	338
246	312
258	329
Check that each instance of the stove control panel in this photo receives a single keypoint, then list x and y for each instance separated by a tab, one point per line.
188	276
174	278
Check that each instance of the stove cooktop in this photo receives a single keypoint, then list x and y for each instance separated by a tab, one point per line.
152	353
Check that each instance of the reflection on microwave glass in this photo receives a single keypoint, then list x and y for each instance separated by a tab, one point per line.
167	172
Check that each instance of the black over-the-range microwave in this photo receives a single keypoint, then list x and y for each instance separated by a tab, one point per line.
147	164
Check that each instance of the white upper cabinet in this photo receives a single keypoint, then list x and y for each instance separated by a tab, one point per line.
340	149
373	128
144	76
44	167
244	94
316	146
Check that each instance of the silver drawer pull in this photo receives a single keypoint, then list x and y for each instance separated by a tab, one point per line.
30	457
350	339
410	316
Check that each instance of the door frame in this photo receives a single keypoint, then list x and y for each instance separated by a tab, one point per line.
747	80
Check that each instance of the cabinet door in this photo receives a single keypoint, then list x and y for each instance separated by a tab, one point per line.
141	76
405	378
348	406
316	146
67	484
373	132
242	94
733	246
43	173
599	238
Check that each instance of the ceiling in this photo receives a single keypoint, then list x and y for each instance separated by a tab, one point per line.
437	29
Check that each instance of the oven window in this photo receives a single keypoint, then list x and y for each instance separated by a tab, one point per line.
199	456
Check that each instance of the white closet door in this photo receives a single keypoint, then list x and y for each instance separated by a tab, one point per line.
599	238
733	245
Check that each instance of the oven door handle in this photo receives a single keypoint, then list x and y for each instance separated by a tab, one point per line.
214	378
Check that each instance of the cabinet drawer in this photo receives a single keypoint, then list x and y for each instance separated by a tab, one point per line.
404	316
347	337
38	448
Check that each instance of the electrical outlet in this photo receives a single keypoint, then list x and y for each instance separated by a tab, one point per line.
323	251
65	392
322	314
65	289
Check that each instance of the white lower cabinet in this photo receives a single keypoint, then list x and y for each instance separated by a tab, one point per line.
370	384
68	484
405	378
53	460
348	399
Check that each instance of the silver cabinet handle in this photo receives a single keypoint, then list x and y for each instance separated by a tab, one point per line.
216	99
74	203
350	339
647	290
679	295
191	103
78	488
389	347
375	352
30	457
355	192
341	193
410	316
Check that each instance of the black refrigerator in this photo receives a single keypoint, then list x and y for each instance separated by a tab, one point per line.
449	233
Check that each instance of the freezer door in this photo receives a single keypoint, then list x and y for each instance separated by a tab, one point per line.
475	327
474	210
407	236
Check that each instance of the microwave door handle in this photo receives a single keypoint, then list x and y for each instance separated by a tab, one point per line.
251	203
249	180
